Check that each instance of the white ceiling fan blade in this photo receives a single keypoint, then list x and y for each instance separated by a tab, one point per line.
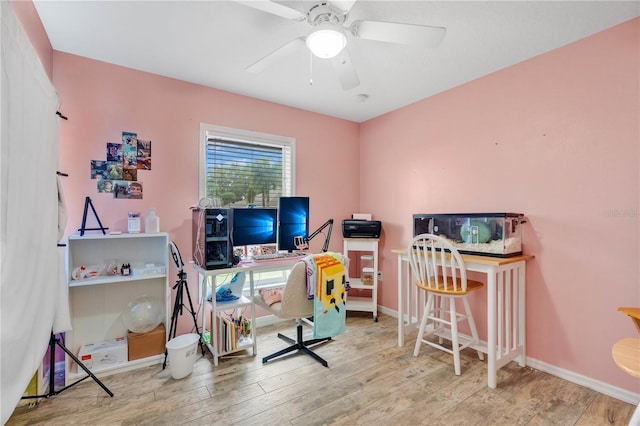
274	8
343	5
279	53
345	70
399	33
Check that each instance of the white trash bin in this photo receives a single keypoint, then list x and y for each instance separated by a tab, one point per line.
182	352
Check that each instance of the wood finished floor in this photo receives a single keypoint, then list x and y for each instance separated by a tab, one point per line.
370	380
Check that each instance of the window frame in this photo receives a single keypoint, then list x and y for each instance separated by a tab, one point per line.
211	131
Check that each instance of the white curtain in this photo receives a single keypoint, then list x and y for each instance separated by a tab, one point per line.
29	257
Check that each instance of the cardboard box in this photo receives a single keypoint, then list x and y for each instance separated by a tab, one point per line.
102	355
142	345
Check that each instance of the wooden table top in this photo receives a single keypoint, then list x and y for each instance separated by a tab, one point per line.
482	260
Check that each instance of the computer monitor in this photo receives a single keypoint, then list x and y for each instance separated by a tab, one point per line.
293	221
253	226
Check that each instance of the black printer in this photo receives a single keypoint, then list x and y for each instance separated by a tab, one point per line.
358	228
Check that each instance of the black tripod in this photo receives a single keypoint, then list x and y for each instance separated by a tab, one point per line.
53	341
181	287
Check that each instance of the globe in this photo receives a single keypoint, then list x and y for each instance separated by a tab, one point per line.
143	314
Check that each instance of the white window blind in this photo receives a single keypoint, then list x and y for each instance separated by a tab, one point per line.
245	168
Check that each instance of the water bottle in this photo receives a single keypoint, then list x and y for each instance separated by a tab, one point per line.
152	222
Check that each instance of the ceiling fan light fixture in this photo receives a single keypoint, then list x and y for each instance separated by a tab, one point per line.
326	40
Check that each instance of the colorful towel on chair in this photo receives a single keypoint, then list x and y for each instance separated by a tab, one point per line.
327	285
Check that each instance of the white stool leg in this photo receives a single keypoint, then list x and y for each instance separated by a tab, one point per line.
423	323
454	335
472	325
442	315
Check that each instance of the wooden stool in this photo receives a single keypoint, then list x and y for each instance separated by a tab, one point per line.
626	354
634	313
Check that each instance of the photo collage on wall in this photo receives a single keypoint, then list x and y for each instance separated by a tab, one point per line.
119	174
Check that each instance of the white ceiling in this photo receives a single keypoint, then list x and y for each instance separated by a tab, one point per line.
212	42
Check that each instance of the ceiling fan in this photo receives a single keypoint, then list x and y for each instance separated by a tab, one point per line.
328	35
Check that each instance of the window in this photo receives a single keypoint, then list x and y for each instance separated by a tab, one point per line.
244	168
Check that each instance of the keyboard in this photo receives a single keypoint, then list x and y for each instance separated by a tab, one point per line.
277	256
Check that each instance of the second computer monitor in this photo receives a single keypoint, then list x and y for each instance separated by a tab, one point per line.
293	221
253	226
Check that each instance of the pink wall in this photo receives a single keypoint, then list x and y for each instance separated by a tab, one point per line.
28	16
103	100
557	138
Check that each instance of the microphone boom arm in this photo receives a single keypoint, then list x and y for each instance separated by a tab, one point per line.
325	246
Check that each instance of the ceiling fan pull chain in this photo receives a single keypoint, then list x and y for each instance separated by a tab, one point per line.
310	69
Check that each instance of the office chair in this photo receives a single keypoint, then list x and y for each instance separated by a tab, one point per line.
294	305
438	268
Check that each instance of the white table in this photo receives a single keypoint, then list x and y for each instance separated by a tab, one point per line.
363	303
249	269
505	307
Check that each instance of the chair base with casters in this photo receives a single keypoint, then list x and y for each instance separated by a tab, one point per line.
292	303
438	268
299	345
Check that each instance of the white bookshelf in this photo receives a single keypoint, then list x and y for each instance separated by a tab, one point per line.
98	304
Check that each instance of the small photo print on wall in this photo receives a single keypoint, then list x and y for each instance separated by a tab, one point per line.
144	155
129	138
105	186
135	190
114	152
127	190
129	150
114	170
130	174
98	169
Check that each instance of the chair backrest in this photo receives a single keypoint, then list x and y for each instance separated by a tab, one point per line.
436	264
295	303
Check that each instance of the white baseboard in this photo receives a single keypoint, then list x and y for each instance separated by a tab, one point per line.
588	382
268	320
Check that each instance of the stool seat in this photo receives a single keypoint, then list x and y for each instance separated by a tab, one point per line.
626	354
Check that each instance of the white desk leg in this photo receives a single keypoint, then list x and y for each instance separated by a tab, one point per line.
213	330
635	418
491	328
203	309
521	316
401	284
253	314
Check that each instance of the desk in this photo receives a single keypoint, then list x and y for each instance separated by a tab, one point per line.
249	269
505	307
